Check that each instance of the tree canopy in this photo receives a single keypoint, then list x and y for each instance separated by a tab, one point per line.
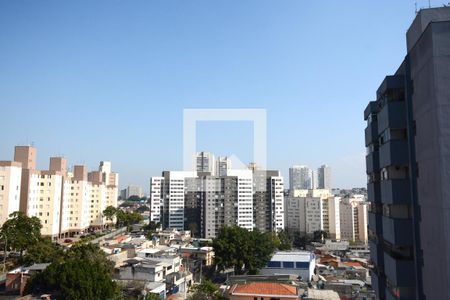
44	251
82	273
20	231
243	250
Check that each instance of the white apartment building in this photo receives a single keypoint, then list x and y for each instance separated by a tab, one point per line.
10	182
156	200
277	187
44	200
245	197
173	190
353	219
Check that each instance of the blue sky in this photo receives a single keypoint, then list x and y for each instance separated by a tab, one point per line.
108	80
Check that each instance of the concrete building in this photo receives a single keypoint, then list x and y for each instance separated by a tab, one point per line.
205	162
324	177
408	141
10	182
173	190
156	200
299	263
353	218
66	203
268	200
244	197
308	211
223	164
301	178
133	190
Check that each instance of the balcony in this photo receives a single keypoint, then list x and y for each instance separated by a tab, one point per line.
394	153
378	285
392	115
374	222
373	191
376	255
372	162
397	231
371	133
400	273
395	191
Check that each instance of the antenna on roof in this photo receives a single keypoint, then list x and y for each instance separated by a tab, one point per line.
415	5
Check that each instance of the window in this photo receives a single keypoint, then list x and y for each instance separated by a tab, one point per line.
274	264
288	264
302	265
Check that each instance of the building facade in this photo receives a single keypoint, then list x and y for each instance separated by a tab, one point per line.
66	203
353	219
308	211
324	177
407	139
10	182
301	178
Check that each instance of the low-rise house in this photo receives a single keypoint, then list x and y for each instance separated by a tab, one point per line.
299	263
16	279
263	290
204	254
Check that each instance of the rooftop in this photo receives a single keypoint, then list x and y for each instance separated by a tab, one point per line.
293	256
264	289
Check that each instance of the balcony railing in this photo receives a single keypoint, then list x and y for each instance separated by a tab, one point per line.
394	153
395	191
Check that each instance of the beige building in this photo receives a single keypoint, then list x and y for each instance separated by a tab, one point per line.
308	211
353	218
66	202
10	180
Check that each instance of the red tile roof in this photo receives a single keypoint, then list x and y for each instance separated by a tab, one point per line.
352	263
264	288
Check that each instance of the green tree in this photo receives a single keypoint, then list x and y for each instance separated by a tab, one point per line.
127	218
285	241
319	235
243	250
142	208
134	198
20	232
44	251
110	212
207	290
152	296
83	273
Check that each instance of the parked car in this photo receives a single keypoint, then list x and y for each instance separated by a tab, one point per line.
67	241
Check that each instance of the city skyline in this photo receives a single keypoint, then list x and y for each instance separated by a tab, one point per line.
139	66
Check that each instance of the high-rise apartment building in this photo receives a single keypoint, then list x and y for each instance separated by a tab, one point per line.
173	190
65	202
308	211
300	178
206	202
268	200
156	199
324	177
10	182
353	219
223	164
205	162
408	141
